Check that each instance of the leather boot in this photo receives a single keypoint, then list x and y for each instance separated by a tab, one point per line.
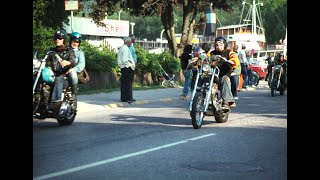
74	90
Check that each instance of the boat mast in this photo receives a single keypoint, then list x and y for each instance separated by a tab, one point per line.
254	20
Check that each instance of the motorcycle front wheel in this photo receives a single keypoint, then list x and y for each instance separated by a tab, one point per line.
197	113
63	121
273	87
66	121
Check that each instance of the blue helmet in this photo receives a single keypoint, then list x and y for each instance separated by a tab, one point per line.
75	36
47	75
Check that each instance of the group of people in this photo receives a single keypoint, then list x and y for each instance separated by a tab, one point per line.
72	63
229	71
127	60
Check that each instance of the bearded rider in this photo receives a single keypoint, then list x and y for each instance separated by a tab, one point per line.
226	68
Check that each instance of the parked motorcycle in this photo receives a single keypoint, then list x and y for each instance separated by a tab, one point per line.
43	80
206	99
277	81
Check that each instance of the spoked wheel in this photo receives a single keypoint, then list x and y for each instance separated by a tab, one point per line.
36	98
36	102
164	83
197	113
273	87
174	83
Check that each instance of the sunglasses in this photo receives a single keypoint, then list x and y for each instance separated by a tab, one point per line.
76	41
59	38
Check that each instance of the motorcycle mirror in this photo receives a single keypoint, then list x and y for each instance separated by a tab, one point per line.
35	55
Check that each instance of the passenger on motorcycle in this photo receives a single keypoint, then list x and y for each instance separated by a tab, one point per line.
226	68
60	68
72	73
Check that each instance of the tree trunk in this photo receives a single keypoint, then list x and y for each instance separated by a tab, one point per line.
167	19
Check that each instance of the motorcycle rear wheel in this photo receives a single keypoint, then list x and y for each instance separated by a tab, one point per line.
197	113
221	117
255	78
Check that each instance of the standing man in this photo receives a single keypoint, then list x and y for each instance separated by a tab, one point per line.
244	66
185	60
127	66
132	49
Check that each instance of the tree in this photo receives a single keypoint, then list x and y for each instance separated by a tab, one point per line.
164	9
48	16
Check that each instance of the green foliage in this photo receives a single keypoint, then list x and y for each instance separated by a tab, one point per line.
42	40
99	59
169	62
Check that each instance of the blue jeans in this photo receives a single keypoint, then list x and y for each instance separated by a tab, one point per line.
234	85
57	88
58	85
226	89
250	77
186	85
73	77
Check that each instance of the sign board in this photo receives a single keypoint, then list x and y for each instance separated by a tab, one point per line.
71	5
112	28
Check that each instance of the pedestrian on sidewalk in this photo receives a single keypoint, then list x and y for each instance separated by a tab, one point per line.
185	58
127	66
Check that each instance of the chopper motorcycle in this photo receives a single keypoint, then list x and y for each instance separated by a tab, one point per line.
206	99
277	79
43	80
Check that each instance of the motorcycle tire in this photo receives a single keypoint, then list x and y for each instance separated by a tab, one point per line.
197	113
221	117
255	79
67	121
63	121
273	87
36	102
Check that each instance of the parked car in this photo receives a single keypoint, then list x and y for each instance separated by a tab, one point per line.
259	71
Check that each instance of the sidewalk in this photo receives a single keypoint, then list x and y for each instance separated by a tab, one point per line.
101	101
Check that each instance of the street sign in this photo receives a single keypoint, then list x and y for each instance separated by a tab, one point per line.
71	5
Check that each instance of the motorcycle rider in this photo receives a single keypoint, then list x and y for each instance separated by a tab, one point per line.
72	73
226	68
60	68
280	60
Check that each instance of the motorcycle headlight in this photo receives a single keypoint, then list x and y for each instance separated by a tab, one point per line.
206	68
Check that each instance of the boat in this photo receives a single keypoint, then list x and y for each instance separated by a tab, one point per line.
249	31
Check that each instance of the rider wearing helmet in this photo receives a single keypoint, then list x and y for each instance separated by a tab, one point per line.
226	68
280	60
60	67
74	45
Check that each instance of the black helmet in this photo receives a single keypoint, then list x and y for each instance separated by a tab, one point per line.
75	36
243	46
60	34
222	39
280	54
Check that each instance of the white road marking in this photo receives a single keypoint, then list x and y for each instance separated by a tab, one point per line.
67	171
